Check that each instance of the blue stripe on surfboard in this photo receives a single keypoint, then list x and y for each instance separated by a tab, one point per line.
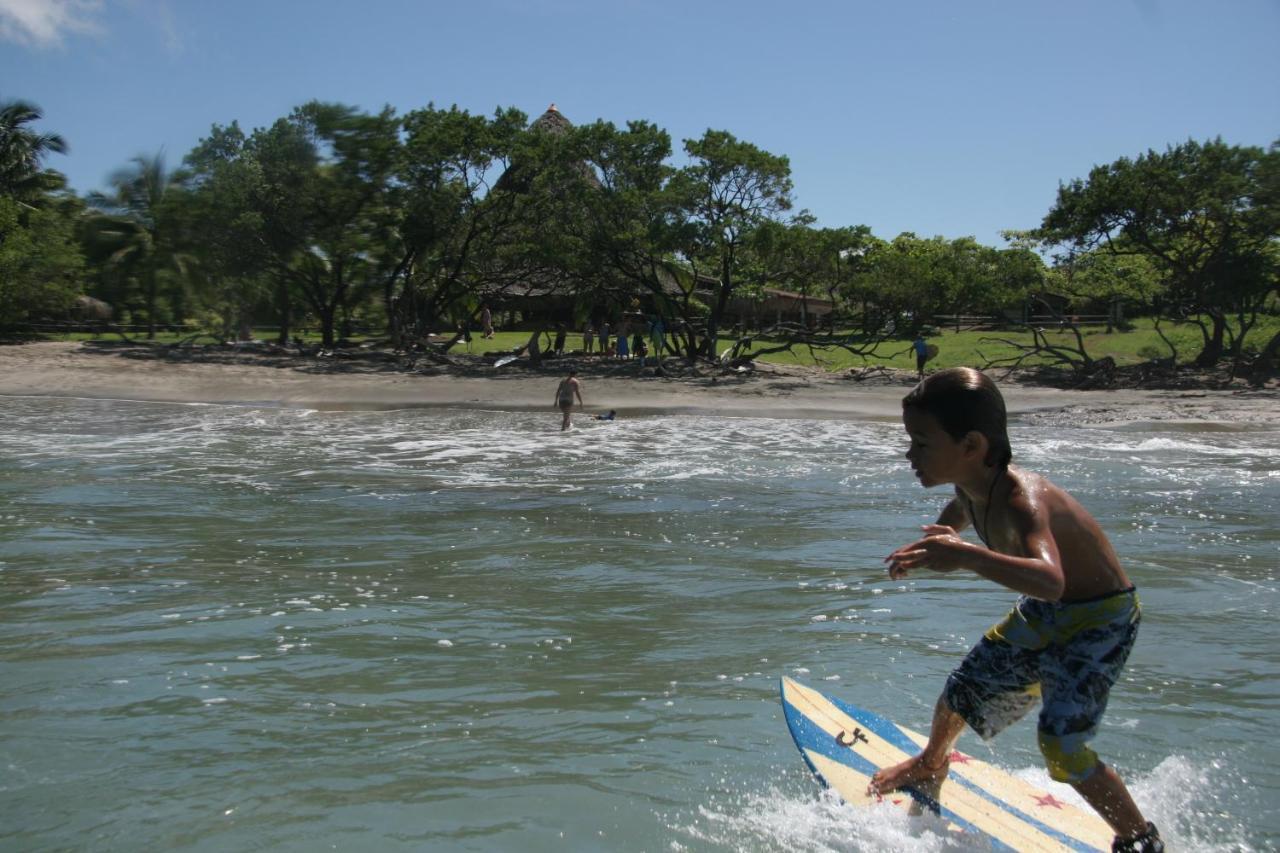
888	730
809	735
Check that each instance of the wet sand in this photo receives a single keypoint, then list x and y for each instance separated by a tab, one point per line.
69	369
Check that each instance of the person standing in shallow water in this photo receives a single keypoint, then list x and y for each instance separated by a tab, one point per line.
568	388
1066	640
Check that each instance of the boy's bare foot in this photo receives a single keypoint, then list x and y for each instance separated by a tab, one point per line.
911	773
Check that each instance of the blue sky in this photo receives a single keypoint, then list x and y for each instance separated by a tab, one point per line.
935	117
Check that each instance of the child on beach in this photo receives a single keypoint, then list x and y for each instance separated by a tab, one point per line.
1067	638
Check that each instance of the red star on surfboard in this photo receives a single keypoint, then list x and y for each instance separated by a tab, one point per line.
1049	800
957	757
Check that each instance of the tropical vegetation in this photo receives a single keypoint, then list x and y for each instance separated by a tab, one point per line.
406	226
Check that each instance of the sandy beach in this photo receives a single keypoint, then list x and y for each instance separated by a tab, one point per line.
249	376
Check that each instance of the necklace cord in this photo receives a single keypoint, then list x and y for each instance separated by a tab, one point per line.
986	510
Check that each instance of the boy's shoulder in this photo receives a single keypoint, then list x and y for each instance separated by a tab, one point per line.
1035	495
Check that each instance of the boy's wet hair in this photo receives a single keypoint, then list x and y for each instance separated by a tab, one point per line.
964	400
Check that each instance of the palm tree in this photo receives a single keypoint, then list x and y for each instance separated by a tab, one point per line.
22	153
133	226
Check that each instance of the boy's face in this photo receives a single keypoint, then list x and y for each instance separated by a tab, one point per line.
934	455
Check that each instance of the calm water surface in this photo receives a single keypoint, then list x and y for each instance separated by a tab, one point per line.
231	628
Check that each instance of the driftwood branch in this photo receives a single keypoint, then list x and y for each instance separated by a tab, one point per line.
1090	372
790	336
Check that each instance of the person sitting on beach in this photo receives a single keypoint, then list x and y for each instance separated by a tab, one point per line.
612	414
565	392
1066	640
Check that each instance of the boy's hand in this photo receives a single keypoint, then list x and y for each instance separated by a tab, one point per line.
940	550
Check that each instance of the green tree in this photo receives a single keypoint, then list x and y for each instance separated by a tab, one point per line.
1016	273
811	261
729	189
1202	213
22	154
223	230
41	266
1108	278
914	279
621	231
134	229
440	244
322	196
910	277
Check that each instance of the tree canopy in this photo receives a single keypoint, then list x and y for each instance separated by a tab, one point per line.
335	217
1203	214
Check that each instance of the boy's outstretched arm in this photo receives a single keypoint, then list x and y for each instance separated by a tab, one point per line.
1038	574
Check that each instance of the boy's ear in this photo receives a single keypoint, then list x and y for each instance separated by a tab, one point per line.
975	443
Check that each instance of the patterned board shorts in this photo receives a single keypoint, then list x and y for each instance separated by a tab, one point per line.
1066	655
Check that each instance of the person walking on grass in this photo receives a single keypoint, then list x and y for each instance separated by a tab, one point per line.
1065	642
922	354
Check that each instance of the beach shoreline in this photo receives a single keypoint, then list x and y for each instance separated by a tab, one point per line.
254	376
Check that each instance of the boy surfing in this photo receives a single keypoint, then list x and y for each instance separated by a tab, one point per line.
1066	640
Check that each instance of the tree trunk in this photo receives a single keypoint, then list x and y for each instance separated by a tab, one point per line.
1265	366
391	304
326	314
1212	352
151	305
284	312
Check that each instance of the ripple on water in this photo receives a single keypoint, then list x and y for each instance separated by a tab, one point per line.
237	626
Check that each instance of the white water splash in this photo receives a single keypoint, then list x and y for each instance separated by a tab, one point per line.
1190	802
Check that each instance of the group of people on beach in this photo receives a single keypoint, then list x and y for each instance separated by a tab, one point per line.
623	341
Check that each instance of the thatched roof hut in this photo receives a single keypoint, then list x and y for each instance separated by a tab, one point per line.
518	178
552	121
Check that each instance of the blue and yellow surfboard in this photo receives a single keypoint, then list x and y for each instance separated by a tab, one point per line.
844	745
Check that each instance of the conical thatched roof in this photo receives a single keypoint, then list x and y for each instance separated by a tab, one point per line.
516	178
552	121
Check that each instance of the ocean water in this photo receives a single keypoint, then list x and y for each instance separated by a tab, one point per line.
235	628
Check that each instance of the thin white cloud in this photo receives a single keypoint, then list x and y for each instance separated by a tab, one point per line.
44	23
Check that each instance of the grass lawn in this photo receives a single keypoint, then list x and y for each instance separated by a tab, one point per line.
967	348
974	348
